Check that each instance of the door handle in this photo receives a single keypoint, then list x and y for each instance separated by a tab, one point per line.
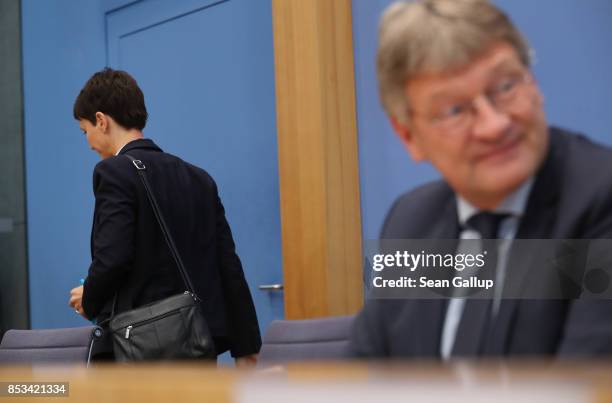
271	287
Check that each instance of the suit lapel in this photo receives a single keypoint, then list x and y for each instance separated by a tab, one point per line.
537	223
91	237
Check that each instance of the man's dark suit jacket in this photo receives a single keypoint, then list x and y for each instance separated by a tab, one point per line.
571	198
131	257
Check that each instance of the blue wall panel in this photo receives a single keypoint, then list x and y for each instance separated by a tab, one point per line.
62	46
573	65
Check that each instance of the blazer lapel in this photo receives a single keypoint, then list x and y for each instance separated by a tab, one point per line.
537	223
91	236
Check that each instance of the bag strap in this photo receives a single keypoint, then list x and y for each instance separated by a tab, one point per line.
141	169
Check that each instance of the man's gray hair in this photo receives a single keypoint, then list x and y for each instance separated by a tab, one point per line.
436	36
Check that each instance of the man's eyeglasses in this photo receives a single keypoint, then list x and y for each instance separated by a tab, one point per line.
458	117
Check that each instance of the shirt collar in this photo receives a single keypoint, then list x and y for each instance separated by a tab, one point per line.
514	204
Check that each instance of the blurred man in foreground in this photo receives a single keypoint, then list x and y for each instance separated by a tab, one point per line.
454	79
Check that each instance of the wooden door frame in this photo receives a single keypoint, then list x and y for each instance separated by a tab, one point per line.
318	158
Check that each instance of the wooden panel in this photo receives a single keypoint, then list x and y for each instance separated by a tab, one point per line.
317	140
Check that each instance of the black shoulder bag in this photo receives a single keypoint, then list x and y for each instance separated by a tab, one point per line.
170	329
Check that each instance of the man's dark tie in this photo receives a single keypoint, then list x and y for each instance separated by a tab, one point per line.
477	312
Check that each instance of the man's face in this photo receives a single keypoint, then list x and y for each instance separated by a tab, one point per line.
482	126
97	139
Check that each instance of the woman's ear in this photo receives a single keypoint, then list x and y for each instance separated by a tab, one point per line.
102	122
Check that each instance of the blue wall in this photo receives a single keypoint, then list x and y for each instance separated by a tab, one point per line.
573	67
61	48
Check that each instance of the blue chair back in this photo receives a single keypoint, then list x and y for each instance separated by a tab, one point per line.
49	346
303	340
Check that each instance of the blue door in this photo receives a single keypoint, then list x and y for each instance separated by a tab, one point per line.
207	71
